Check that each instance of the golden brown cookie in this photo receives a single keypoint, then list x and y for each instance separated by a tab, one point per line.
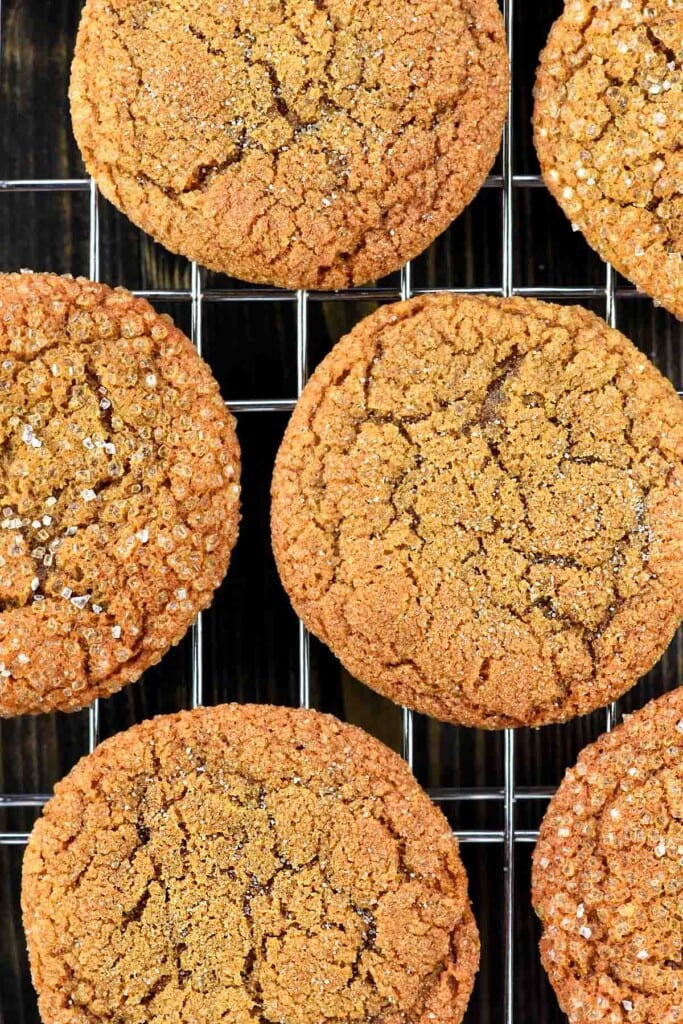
607	879
308	143
119	490
477	506
607	120
246	864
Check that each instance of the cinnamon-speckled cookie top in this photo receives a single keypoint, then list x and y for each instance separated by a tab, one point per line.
119	490
477	505
309	143
607	879
253	864
608	121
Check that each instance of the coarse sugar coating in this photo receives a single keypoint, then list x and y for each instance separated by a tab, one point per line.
607	127
607	880
119	490
477	506
308	143
246	864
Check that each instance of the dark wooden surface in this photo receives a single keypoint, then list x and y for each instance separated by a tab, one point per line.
251	633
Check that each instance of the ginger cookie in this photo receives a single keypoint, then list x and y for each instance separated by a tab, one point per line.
607	879
607	125
119	490
250	864
477	506
308	143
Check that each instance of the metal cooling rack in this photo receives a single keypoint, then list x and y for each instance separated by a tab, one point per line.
509	796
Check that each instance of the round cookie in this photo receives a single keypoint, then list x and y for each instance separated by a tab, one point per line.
609	92
477	506
249	863
309	143
607	881
119	490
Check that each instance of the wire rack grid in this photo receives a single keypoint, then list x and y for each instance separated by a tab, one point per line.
509	796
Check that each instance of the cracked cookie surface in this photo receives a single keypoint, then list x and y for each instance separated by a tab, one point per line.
246	864
119	490
607	881
607	125
303	143
477	506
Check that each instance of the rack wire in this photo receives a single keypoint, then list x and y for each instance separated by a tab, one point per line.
507	184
